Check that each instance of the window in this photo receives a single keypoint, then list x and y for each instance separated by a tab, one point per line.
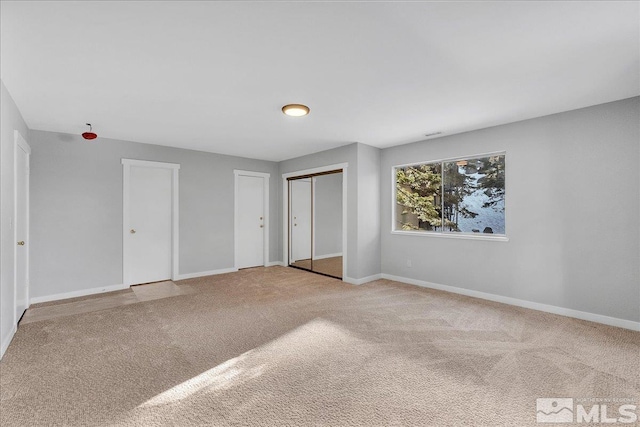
464	195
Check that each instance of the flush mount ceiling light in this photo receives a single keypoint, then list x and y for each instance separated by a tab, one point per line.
295	110
89	135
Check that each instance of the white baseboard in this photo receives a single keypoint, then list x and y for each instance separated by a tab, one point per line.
583	315
7	340
327	256
274	263
75	294
363	280
205	273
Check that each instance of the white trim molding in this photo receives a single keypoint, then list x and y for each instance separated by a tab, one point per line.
7	340
265	230
452	235
285	209
150	164
175	212
206	273
276	263
251	173
320	169
80	293
363	280
327	256
449	159
562	311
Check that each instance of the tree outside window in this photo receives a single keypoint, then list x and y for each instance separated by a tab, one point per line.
462	195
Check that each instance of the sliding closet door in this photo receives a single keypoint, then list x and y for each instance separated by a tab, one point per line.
300	223
327	224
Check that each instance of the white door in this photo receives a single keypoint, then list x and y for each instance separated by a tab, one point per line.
250	221
300	219
22	229
150	224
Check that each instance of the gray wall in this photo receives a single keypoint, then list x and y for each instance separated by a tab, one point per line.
369	249
10	120
76	209
327	205
572	213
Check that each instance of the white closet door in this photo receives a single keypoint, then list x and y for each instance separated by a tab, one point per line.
250	217
22	231
150	218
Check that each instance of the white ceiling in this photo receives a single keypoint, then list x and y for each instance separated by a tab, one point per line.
213	76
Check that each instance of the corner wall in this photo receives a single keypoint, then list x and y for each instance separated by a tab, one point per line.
572	213
346	154
363	202
10	120
369	249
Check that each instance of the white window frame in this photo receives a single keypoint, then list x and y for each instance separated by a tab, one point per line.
444	234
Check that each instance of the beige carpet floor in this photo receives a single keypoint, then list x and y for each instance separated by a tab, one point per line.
279	346
90	303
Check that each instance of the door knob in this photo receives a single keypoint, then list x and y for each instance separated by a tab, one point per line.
132	231
21	243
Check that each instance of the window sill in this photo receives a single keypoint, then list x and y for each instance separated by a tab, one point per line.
477	236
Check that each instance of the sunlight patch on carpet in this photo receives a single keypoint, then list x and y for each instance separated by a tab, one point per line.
221	377
308	341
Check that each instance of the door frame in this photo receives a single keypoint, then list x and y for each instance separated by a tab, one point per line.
265	231
175	210
285	208
20	143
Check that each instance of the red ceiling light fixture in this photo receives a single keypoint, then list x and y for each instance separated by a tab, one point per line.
89	135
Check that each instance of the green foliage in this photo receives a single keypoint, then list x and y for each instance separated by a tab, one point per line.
419	192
